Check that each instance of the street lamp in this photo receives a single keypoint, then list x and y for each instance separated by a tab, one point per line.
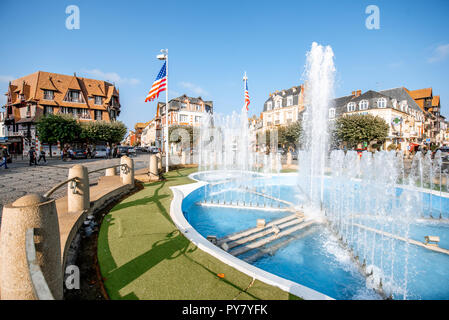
164	56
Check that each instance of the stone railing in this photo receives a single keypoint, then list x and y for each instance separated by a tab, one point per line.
32	251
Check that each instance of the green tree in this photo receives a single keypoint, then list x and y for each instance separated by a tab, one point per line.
359	128
103	131
53	128
289	136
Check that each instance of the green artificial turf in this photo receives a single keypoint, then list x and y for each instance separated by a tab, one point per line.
142	255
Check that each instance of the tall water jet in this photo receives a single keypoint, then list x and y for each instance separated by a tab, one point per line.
319	90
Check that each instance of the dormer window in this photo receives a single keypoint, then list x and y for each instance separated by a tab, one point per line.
351	106
289	101
73	96
49	95
98	100
363	105
183	105
403	106
278	104
331	113
269	105
382	103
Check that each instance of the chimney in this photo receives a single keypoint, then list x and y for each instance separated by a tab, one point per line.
358	93
353	93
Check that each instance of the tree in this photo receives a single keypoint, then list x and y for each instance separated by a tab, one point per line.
289	136
103	131
53	128
359	128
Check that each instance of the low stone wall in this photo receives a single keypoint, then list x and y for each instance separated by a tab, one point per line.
37	231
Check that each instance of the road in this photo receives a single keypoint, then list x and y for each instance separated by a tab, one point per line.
20	179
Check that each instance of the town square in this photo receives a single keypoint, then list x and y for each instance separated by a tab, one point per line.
231	151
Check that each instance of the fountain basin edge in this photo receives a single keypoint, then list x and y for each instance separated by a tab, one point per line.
176	214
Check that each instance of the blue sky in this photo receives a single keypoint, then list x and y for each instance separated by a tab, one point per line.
212	43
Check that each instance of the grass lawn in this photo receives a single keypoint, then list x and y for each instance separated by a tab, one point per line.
142	255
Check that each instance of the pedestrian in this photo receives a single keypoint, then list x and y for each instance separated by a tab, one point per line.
42	156
89	153
32	155
4	155
108	151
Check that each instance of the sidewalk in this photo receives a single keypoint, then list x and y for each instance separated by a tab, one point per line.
142	255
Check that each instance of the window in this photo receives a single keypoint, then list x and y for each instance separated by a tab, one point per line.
278	104
183	105
183	118
269	105
363	105
198	107
48	110
197	119
331	113
403	106
49	95
289	101
351	106
98	100
73	96
382	103
98	115
305	116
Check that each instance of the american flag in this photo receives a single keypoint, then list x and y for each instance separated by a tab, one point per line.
159	85
246	95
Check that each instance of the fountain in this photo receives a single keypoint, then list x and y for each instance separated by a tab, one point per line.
369	205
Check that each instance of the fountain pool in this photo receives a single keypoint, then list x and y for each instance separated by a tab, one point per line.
315	256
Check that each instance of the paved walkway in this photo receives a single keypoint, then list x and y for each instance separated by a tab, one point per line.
21	179
142	255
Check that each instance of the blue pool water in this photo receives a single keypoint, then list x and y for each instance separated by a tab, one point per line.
315	258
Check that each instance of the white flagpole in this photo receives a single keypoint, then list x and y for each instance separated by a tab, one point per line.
166	113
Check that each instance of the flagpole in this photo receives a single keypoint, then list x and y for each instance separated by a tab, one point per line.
166	114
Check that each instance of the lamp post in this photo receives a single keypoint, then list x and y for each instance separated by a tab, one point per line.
164	56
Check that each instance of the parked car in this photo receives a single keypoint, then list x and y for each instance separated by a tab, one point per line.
444	151
153	149
122	151
79	154
132	151
100	152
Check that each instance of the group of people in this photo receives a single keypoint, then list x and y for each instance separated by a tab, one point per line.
32	154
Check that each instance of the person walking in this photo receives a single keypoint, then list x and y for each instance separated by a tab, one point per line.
42	156
108	151
32	155
4	155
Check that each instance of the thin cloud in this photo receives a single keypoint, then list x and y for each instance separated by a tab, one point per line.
111	76
194	88
440	53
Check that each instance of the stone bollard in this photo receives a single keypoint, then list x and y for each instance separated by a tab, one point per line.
154	171
110	172
30	211
127	172
78	198
289	158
